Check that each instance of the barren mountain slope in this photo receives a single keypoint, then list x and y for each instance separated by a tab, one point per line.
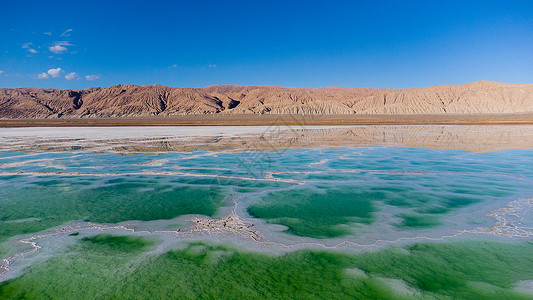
152	100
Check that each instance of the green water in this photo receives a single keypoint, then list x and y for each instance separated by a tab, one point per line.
54	202
108	267
417	221
317	194
119	243
321	210
317	214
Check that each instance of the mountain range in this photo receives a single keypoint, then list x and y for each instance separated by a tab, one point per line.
482	97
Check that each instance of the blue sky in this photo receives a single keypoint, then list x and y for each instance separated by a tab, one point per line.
395	44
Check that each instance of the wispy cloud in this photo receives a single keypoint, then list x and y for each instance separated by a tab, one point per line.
48	33
67	32
212	66
11	74
92	77
43	75
28	46
1	71
59	47
173	66
71	76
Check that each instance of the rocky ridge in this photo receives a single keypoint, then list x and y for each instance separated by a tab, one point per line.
156	100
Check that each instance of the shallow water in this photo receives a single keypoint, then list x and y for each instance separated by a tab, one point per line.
341	214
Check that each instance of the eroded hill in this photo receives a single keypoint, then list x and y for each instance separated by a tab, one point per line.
157	100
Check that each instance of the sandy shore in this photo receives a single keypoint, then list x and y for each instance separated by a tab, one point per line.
258	120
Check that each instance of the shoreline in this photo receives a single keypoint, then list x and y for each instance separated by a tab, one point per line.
275	119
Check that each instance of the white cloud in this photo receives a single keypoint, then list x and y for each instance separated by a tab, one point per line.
28	47
173	66
55	72
212	66
67	32
59	47
92	77
1	71
48	33
43	75
71	76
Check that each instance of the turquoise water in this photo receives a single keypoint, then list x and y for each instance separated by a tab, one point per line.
185	222
45	202
314	192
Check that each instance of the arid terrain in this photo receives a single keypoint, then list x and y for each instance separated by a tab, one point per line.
481	97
